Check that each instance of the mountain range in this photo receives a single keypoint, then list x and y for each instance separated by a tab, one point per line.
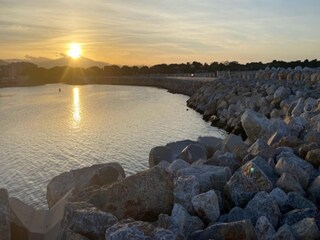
82	62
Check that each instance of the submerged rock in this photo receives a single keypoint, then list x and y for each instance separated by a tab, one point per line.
142	196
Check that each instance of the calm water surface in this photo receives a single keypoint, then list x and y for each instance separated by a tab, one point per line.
44	132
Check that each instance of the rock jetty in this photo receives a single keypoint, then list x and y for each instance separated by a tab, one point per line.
261	182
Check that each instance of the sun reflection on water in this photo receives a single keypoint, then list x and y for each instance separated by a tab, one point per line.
76	108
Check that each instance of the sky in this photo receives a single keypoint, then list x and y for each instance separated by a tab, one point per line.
147	32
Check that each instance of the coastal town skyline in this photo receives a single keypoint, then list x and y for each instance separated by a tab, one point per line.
150	32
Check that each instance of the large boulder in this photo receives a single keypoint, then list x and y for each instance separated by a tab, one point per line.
158	154
129	229
206	205
263	205
297	201
4	215
192	153
306	229
185	222
185	188
296	215
85	220
212	144
284	232
314	189
137	196
224	160
246	182
243	230
80	179
313	157
264	229
209	177
289	183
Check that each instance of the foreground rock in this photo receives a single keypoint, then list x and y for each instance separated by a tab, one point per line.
142	196
79	179
235	230
86	221
4	215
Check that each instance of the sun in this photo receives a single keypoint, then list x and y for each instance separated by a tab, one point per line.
74	50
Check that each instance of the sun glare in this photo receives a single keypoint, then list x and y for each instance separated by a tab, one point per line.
74	50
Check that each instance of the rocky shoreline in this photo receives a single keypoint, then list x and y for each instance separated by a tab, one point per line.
262	185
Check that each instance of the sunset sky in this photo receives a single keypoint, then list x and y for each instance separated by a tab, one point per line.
162	31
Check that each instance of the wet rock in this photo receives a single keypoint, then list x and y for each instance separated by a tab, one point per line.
284	233
264	229
85	220
263	205
246	182
158	154
79	179
313	157
5	233
289	183
306	229
234	230
186	223
261	148
224	160
285	165
185	188
212	144
177	165
297	215
206	206
137	196
209	177
295	200
279	196
192	153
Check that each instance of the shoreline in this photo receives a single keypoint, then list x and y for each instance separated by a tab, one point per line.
264	187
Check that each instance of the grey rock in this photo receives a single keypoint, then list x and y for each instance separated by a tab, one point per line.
185	188
306	229
206	206
279	196
212	144
313	157
79	179
232	142
159	154
209	177
284	233
285	165
295	200
261	148
266	168
85	220
163	234
234	230
298	110
264	228
167	222
236	214
281	93
5	230
129	229
177	165
246	182
289	183
192	153
263	205
224	160
186	223
137	196
314	189
163	164
297	215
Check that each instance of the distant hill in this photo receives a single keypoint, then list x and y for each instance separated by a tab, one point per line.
82	62
3	62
